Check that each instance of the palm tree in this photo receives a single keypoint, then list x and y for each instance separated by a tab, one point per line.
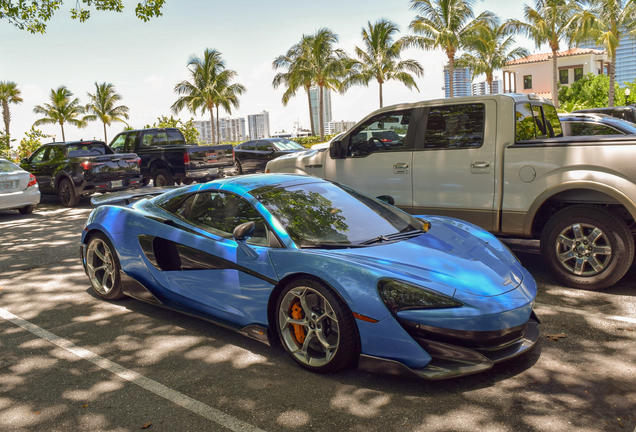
489	49
296	77
228	98
209	78
550	22
9	93
445	24
325	65
103	106
380	59
606	23
62	109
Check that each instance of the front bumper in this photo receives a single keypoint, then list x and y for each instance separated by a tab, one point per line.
451	360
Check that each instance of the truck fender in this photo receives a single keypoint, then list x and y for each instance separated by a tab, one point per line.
61	175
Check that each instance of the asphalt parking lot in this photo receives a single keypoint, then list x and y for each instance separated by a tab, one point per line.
72	362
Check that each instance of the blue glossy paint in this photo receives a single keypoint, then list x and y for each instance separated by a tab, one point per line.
454	258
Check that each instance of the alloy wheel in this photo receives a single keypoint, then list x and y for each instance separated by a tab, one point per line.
583	249
100	263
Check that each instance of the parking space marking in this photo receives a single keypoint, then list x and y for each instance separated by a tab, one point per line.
161	390
587	313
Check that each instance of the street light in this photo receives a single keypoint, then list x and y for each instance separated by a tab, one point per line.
627	92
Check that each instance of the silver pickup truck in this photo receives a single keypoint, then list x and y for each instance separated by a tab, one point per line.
499	162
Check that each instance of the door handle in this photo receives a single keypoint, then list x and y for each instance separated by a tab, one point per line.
480	165
400	168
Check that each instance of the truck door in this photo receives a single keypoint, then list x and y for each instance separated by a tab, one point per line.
379	156
454	164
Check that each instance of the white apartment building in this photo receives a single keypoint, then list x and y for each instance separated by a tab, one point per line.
482	88
258	125
204	127
338	127
533	74
232	129
314	95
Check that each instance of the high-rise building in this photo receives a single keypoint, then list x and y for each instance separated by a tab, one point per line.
314	95
233	129
481	88
337	127
625	59
461	82
258	125
204	127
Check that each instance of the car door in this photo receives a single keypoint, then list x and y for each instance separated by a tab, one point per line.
264	153
38	165
454	164
377	167
216	274
245	155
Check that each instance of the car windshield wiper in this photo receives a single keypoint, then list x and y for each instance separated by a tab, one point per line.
393	237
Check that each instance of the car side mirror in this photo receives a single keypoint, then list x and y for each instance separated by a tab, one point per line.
335	150
244	231
25	161
387	199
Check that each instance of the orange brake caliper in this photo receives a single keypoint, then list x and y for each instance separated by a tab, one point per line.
297	313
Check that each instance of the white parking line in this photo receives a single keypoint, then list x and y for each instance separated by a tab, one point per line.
173	396
587	313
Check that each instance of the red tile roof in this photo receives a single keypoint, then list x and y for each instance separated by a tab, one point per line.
548	56
546	95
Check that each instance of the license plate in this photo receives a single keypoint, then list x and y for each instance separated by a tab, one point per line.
214	170
116	183
6	185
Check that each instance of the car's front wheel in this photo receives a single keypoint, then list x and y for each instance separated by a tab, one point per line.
587	247
103	268
316	327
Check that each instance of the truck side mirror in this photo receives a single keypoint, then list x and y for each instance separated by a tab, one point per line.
25	161
335	150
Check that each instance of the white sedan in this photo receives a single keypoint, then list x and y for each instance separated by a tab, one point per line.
18	188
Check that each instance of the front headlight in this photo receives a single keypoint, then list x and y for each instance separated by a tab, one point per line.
399	295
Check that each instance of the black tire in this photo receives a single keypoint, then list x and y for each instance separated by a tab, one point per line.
27	209
587	247
320	303
188	182
66	192
239	168
102	267
146	181
162	177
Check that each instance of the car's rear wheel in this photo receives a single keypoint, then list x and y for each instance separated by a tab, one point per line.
66	192
587	247
26	210
239	169
103	268
316	327
163	178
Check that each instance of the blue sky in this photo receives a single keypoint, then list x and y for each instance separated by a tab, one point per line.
145	60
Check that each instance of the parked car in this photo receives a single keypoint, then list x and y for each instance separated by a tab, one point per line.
252	156
500	162
583	124
80	168
167	159
18	188
627	113
335	275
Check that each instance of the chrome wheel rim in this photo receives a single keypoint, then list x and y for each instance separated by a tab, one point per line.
304	311
100	263
583	249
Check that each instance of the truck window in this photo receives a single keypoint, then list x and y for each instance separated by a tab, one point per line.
540	127
87	149
384	132
175	138
524	122
152	139
118	144
455	126
585	129
554	124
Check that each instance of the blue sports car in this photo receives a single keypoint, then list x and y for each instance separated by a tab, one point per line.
335	276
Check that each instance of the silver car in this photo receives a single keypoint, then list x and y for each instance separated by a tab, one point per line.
18	188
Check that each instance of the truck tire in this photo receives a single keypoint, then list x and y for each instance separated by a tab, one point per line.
66	192
146	181
162	177
587	247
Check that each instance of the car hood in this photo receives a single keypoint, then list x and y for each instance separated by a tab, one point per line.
452	253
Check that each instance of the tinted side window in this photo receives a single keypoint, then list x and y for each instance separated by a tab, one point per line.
91	149
152	139
175	138
264	146
583	129
248	145
554	124
524	122
384	132
455	126
119	143
219	213
540	129
42	155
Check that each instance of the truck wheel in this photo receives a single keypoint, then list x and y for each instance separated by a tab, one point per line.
146	181
587	247
66	193
163	178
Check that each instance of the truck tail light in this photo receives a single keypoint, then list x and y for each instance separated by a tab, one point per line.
233	156
186	157
86	165
32	181
137	160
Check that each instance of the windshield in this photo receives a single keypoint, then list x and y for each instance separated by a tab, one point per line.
286	145
315	214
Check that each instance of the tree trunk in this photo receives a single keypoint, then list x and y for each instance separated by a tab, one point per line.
211	109
105	138
63	137
6	114
218	125
612	78
489	80
555	75
311	115
451	76
321	115
380	82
